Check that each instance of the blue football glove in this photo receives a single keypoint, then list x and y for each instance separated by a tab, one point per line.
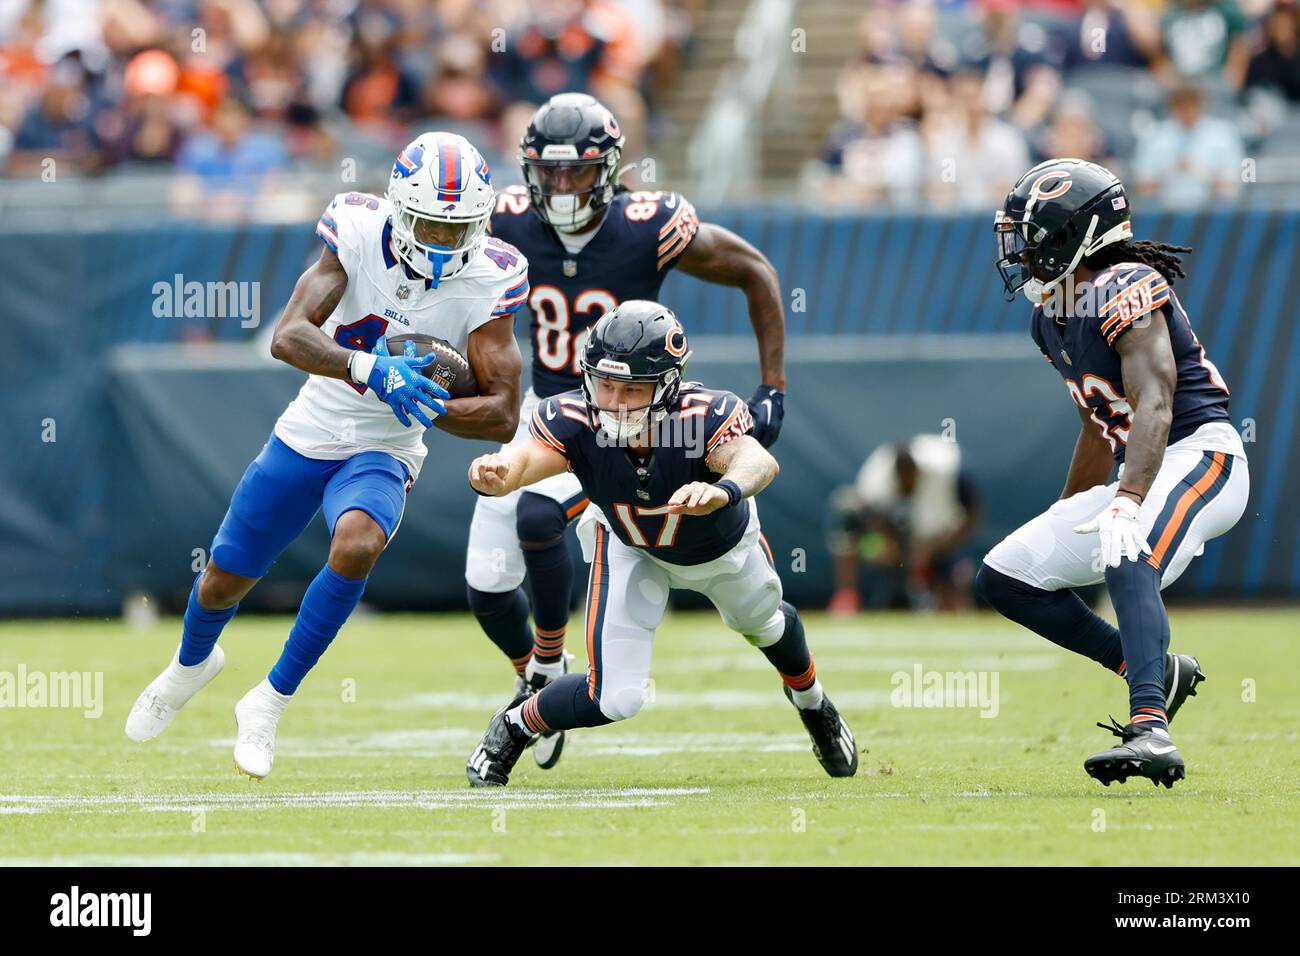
398	380
768	408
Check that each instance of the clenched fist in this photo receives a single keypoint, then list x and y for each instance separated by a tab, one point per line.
488	474
697	498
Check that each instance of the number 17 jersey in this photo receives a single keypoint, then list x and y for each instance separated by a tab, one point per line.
640	239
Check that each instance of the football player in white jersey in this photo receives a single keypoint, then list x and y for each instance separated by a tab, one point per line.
350	444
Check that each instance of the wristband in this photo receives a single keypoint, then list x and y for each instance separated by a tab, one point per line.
360	365
732	490
1128	493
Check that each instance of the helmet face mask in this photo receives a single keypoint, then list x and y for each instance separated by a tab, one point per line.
626	422
442	198
570	155
568	194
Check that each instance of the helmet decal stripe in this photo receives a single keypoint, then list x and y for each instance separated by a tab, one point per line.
449	171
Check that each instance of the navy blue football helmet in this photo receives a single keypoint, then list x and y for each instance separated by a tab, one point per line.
570	155
1055	215
638	341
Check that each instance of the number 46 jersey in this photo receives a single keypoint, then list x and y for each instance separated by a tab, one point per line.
627	257
334	419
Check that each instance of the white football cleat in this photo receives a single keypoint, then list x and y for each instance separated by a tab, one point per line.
167	693
256	716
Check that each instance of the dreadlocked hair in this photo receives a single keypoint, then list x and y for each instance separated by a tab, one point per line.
1160	256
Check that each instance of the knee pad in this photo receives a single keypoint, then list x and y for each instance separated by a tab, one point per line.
776	627
539	520
622	703
758	616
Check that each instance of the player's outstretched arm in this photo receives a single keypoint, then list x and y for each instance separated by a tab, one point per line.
719	255
1093	460
493	414
515	467
745	467
298	339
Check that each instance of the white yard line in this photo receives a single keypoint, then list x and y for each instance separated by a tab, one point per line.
606	799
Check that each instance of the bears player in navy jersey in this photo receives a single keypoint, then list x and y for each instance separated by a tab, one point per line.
591	244
670	469
1107	319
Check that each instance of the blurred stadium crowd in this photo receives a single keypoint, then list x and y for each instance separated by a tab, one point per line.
237	89
946	103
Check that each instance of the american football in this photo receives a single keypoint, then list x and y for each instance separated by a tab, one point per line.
880	450
451	370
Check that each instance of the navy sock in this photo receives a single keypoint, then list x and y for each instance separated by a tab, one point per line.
201	628
1060	616
550	572
503	615
1144	630
790	655
540	524
330	598
561	705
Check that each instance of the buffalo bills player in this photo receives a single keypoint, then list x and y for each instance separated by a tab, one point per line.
1107	319
351	443
590	244
671	470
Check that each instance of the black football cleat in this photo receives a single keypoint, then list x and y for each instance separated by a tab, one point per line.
1182	674
1142	753
498	752
832	740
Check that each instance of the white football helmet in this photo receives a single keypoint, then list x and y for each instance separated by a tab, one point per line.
440	184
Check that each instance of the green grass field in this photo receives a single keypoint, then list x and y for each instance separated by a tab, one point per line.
715	770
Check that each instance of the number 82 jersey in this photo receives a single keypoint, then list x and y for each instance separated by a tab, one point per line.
641	238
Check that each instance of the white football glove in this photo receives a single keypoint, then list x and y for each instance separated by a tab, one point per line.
1120	531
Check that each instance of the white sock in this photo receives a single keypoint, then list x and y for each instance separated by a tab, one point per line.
516	717
272	696
549	670
810	698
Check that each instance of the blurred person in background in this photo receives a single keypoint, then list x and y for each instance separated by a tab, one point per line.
1190	157
378	91
1114	34
906	33
875	154
908	517
1276	65
972	153
1073	131
59	126
1204	39
228	164
143	129
569	45
1020	62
